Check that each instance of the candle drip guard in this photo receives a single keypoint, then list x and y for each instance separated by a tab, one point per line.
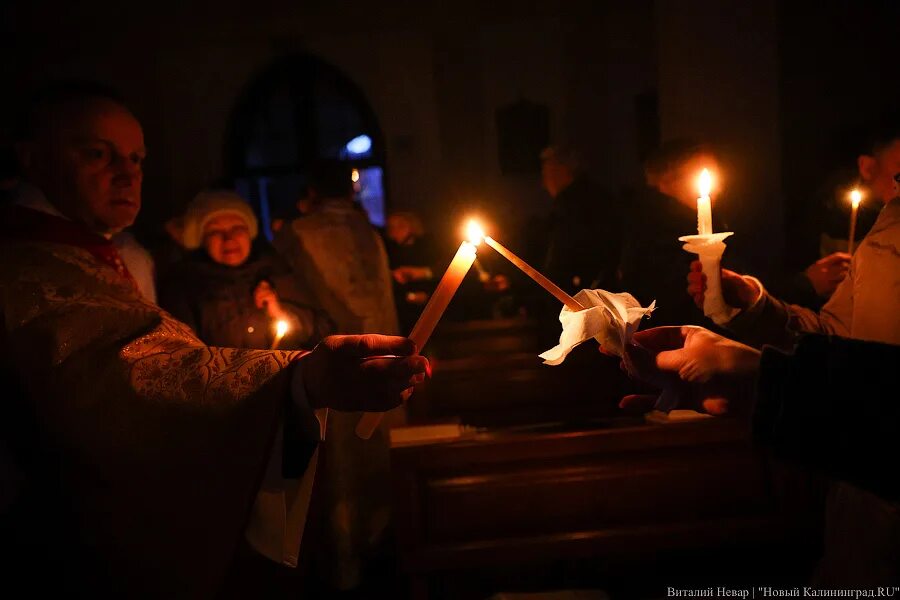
710	248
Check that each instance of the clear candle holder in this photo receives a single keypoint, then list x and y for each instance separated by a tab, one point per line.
710	248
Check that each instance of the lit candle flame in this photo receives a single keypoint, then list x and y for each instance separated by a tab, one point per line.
855	198
705	183
281	328
474	232
354	175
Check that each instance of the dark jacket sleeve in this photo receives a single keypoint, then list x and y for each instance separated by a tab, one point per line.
174	299
833	405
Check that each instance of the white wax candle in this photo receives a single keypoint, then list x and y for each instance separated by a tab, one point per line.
281	329
442	295
704	210
855	198
535	275
704	216
429	318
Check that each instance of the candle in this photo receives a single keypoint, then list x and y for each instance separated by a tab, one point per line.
704	210
536	275
855	198
281	329
435	308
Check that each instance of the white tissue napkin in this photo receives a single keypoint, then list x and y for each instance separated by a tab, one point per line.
609	318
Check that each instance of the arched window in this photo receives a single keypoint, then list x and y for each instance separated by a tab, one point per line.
296	112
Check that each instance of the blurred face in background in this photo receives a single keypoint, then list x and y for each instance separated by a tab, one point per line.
681	181
226	238
87	158
555	176
878	171
398	229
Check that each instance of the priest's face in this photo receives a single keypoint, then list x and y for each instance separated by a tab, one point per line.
88	160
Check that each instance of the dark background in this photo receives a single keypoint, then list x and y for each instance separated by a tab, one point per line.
777	85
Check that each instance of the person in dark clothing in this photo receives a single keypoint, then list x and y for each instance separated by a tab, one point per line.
412	260
830	404
583	238
653	261
233	291
876	153
585	233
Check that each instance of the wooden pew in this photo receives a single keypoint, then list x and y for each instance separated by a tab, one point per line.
553	472
619	491
488	373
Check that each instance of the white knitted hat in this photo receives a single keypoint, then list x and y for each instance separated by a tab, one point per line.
213	203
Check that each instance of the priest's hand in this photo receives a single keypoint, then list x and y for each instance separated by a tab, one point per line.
693	367
361	372
739	291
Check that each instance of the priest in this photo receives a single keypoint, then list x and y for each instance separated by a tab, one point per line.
130	452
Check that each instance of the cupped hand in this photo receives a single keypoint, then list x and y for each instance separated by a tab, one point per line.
693	367
738	291
361	372
826	273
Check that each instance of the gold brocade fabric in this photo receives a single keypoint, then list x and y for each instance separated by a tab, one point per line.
159	441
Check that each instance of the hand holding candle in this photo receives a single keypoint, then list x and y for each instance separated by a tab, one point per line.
435	308
709	246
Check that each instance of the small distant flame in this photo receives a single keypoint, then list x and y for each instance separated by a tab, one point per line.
705	183
855	198
474	232
354	175
281	328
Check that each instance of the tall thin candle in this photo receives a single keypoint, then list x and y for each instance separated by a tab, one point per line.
281	329
855	198
704	209
536	275
435	308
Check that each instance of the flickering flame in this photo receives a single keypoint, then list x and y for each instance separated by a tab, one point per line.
704	184
281	328
354	175
855	198
474	232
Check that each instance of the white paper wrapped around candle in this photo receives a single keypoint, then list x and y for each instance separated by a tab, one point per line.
709	249
609	318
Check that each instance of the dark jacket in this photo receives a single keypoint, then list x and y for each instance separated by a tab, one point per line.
832	405
584	237
217	302
654	266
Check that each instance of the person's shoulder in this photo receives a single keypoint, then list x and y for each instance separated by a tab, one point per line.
887	226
